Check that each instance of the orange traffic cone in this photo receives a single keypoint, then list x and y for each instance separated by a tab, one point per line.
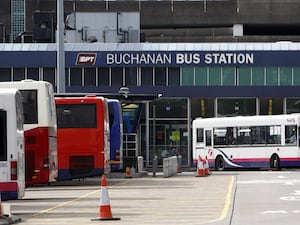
206	167
200	168
104	209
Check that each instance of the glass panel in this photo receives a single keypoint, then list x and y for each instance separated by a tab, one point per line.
49	75
5	74
258	76
75	76
33	73
30	106
232	107
202	107
147	76
169	108
244	76
67	79
18	74
228	76
130	76
3	135
291	135
273	135
76	116
174	76
214	76
187	76
89	76
272	106
258	135
200	135
271	76
297	76
117	76
160	76
103	76
201	76
292	105
286	76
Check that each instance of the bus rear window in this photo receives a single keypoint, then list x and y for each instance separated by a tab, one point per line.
30	106
76	115
3	136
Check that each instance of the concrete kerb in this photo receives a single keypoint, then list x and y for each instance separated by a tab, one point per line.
226	216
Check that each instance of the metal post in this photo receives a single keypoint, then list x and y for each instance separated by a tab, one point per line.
154	162
60	47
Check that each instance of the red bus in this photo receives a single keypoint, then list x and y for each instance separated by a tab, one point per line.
82	137
39	130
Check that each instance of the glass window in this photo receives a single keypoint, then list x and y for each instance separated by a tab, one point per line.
170	108
160	76
174	76
258	76
244	76
258	135
147	76
228	76
187	77
75	76
201	76
49	75
271	76
89	76
286	76
297	76
33	73
208	137
5	74
200	134
243	136
220	136
76	116
273	135
214	76
103	76
30	106
291	135
18	74
67	78
3	135
292	105
272	106
233	106
117	76
131	76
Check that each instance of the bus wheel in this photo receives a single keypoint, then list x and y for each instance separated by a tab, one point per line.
275	162
220	165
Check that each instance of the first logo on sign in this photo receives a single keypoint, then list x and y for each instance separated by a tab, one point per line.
86	58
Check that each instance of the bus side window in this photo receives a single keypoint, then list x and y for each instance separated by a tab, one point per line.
208	137
200	135
290	134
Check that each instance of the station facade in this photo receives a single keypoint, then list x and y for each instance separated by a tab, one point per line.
193	80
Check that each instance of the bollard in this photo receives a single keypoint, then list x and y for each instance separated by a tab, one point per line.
154	166
140	160
179	161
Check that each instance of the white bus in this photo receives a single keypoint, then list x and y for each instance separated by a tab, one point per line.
248	141
12	170
40	130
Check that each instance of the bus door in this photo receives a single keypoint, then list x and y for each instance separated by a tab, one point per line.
208	143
